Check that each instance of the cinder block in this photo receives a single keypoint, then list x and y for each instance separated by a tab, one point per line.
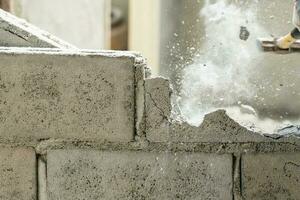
158	109
75	174
18	174
59	95
15	32
271	176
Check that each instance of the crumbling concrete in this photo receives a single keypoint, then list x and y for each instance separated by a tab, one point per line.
104	130
55	94
158	109
15	32
271	176
74	174
18	174
216	127
219	128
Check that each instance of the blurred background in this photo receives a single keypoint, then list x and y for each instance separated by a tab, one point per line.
148	26
207	48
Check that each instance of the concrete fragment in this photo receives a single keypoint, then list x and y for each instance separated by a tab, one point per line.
75	174
18	174
66	95
290	130
271	176
158	109
216	127
15	32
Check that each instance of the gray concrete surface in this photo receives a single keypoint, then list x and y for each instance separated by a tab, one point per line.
74	174
66	95
216	127
158	109
271	176
18	174
15	32
105	130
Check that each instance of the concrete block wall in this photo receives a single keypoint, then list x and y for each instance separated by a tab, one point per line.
81	174
92	125
18	173
66	96
83	125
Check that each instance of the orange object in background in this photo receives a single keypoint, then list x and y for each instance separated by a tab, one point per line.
119	30
5	5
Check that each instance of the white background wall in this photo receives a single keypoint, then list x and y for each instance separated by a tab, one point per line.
84	23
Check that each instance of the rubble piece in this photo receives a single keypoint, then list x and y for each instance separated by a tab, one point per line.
55	94
158	109
74	174
216	127
16	32
290	130
18	174
270	176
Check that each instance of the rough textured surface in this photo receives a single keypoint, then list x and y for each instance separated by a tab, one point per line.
271	176
135	175
15	32
17	174
158	109
140	99
216	127
84	108
53	94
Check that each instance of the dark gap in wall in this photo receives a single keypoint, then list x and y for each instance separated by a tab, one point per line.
240	174
41	177
37	176
233	176
236	177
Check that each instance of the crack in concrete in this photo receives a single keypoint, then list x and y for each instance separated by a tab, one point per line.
16	34
162	113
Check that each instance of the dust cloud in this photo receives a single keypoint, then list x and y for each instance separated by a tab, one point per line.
225	74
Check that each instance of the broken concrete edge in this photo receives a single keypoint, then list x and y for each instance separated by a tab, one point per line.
158	108
217	134
26	31
219	127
